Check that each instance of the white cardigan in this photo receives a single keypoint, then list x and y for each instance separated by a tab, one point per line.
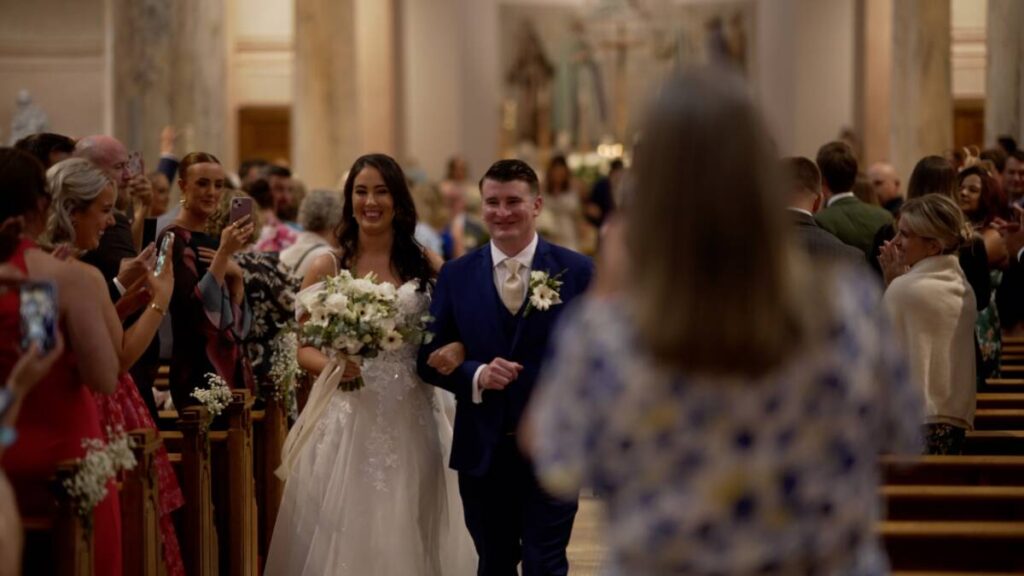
933	309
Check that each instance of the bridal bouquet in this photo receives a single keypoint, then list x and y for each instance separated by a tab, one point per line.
361	318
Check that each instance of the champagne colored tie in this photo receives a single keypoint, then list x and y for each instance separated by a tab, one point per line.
513	290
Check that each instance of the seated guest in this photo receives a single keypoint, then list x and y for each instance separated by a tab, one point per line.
844	215
731	413
83	203
59	412
319	215
933	309
48	148
804	182
209	315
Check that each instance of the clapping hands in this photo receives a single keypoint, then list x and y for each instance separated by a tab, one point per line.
890	258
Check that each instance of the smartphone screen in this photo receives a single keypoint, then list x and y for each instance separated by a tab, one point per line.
161	254
39	315
241	207
135	163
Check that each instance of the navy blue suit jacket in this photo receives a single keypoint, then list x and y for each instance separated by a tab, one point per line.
466	308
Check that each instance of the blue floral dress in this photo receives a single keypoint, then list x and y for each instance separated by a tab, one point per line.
724	476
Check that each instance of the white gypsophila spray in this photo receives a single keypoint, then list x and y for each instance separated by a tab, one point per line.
215	397
101	463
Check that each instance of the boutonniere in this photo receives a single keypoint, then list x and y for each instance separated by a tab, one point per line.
544	291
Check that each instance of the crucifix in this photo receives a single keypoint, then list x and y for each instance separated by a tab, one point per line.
622	45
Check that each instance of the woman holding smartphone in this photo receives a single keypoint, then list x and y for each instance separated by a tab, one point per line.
58	413
209	315
83	200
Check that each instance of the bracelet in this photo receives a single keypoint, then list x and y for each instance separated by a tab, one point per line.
158	308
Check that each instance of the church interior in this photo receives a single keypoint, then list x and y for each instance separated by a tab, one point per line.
448	87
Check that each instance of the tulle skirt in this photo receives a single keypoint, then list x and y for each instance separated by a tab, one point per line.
370	493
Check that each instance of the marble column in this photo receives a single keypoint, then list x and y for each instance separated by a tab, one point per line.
922	93
873	78
1004	70
345	97
168	65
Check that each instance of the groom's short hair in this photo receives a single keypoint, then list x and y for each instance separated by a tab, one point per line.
512	171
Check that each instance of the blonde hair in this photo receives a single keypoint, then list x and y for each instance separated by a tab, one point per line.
717	286
74	184
937	217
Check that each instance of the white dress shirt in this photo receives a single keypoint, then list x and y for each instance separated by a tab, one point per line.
837	197
498	258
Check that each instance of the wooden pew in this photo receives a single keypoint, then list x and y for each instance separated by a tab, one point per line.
234	490
912	502
1006	385
966	546
269	431
995	442
198	537
999	419
142	548
995	400
953	470
58	544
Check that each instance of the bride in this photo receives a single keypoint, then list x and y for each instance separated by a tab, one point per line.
366	486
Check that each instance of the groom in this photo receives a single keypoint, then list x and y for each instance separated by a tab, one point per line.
482	300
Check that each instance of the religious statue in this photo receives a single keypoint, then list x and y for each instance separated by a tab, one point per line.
28	118
531	74
581	106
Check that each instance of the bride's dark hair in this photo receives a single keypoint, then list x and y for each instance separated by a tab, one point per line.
407	255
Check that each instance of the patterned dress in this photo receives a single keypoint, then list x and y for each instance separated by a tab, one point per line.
712	475
126	410
270	290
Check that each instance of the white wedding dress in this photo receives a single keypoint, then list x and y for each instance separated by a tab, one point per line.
367	490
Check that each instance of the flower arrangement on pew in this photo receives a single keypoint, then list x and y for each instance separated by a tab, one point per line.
94	471
215	397
361	318
284	370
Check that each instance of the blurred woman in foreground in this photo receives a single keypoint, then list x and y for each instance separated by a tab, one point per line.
729	402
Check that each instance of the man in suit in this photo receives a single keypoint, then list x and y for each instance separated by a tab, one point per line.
805	199
845	216
117	256
483	301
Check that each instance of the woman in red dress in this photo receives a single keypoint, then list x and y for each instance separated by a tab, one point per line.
83	203
59	412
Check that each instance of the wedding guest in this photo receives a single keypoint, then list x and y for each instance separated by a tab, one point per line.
270	289
58	413
161	194
252	170
30	368
1013	175
730	413
886	184
805	199
936	175
844	215
209	315
274	234
560	218
83	203
602	196
984	205
47	147
319	215
933	309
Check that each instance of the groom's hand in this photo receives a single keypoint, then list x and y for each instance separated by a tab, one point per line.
498	374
